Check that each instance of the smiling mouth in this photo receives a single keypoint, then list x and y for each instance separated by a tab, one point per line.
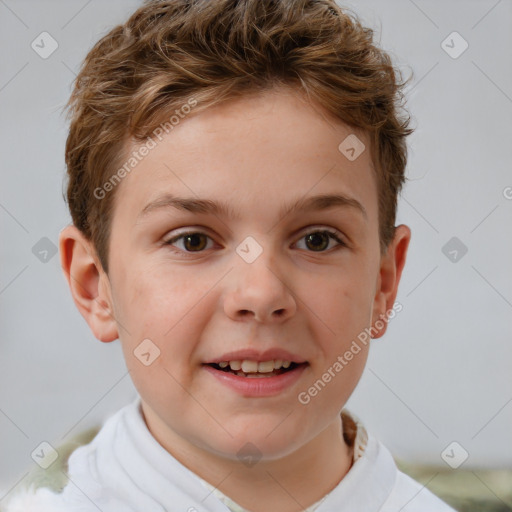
255	369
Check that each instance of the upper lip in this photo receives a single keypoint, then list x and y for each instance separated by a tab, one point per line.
259	356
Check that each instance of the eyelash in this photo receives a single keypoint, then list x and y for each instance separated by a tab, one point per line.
333	235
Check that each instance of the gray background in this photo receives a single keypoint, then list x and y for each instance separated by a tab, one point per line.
442	372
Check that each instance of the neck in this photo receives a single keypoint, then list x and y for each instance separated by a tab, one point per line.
288	484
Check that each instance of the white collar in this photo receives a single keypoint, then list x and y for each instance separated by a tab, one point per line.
125	456
125	468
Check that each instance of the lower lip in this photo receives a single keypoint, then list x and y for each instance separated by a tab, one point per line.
257	386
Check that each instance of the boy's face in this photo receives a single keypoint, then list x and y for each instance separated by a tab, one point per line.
213	296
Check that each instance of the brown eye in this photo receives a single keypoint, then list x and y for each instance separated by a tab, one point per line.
318	241
196	241
192	242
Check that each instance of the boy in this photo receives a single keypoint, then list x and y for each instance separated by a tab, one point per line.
233	172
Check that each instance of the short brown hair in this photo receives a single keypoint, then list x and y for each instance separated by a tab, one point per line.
214	50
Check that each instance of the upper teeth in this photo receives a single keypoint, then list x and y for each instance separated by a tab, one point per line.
248	366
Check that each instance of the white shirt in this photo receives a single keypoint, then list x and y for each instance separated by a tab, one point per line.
125	469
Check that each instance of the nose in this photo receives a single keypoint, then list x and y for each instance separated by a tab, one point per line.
259	292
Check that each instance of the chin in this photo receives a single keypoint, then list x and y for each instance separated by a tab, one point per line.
258	440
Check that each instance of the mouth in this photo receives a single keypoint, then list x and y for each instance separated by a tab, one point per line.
256	369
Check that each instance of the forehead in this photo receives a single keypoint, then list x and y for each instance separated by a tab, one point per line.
264	146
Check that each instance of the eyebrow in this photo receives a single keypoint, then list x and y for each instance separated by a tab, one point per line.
208	206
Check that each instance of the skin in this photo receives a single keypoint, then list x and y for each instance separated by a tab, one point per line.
313	299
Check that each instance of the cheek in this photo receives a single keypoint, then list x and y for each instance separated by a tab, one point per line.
344	381
327	392
344	303
153	302
172	312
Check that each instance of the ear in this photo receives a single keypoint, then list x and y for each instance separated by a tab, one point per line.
89	284
391	266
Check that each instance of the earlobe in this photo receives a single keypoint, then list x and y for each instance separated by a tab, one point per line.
88	283
392	265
